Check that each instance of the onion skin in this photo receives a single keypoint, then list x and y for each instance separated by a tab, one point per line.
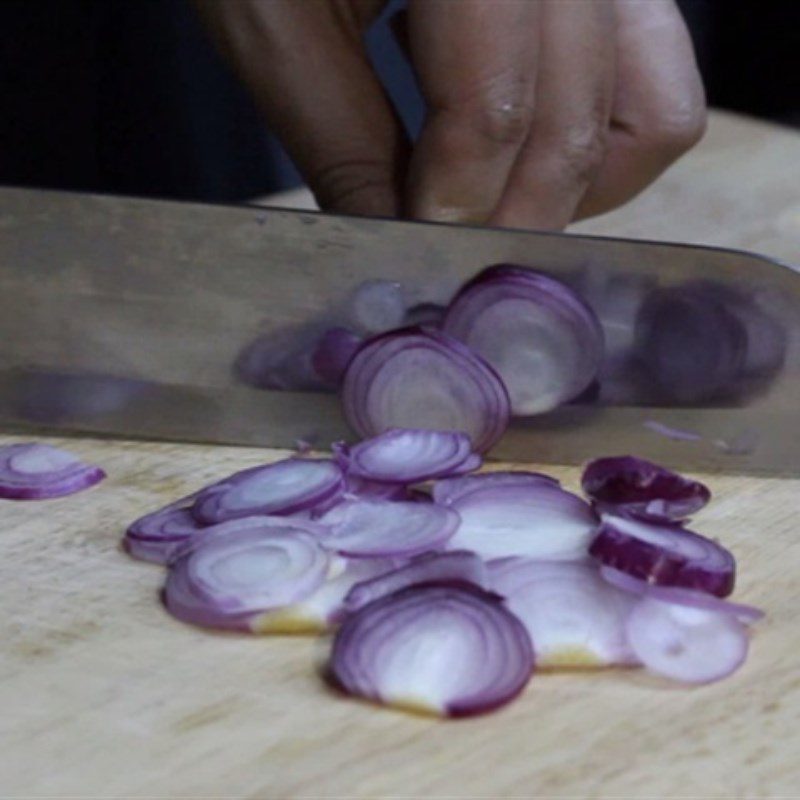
361	658
630	485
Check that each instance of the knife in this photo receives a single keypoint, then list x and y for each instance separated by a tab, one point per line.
129	317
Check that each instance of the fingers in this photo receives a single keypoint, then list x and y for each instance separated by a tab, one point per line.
476	63
566	145
305	64
659	106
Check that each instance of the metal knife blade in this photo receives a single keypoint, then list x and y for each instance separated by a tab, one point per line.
126	316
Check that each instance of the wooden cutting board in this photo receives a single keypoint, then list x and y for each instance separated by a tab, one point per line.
104	695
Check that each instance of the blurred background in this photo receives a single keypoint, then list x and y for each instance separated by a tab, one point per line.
130	97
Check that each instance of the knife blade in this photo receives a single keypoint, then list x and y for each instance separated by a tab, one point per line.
129	317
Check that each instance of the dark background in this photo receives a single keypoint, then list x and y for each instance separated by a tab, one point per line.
129	96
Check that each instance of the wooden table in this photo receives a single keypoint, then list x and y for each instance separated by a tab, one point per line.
103	695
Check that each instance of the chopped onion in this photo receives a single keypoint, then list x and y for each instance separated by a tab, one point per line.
455	566
686	642
629	485
32	471
441	650
543	340
228	578
156	536
665	554
420	378
574	617
383	528
333	352
449	490
284	487
410	455
539	520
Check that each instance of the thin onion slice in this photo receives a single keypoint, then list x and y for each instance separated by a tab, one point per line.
543	340
33	471
455	566
665	554
228	579
383	528
440	650
284	487
686	642
421	378
629	485
411	455
447	491
574	617
156	536
539	520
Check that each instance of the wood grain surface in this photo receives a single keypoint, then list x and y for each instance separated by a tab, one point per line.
103	695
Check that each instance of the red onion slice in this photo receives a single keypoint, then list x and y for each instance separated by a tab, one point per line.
443	650
456	566
447	491
156	536
333	352
685	642
284	487
420	378
383	529
537	521
664	554
32	471
629	485
410	455
227	579
574	618
543	340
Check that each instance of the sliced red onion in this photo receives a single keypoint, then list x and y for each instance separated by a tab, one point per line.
333	352
324	608
32	471
686	642
573	616
543	340
690	597
384	529
665	554
377	306
538	521
420	378
629	485
156	536
455	566
228	579
449	490
443	650
411	455
284	487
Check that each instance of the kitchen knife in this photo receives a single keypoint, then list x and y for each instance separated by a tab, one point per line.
132	317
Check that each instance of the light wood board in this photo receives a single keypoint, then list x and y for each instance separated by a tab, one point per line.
103	695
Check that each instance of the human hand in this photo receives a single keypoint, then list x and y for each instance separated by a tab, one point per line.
540	111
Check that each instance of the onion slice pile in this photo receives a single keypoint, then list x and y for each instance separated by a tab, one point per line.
544	341
156	536
235	572
539	520
440	650
384	529
285	487
32	471
665	554
628	485
453	567
449	490
411	455
573	616
421	378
